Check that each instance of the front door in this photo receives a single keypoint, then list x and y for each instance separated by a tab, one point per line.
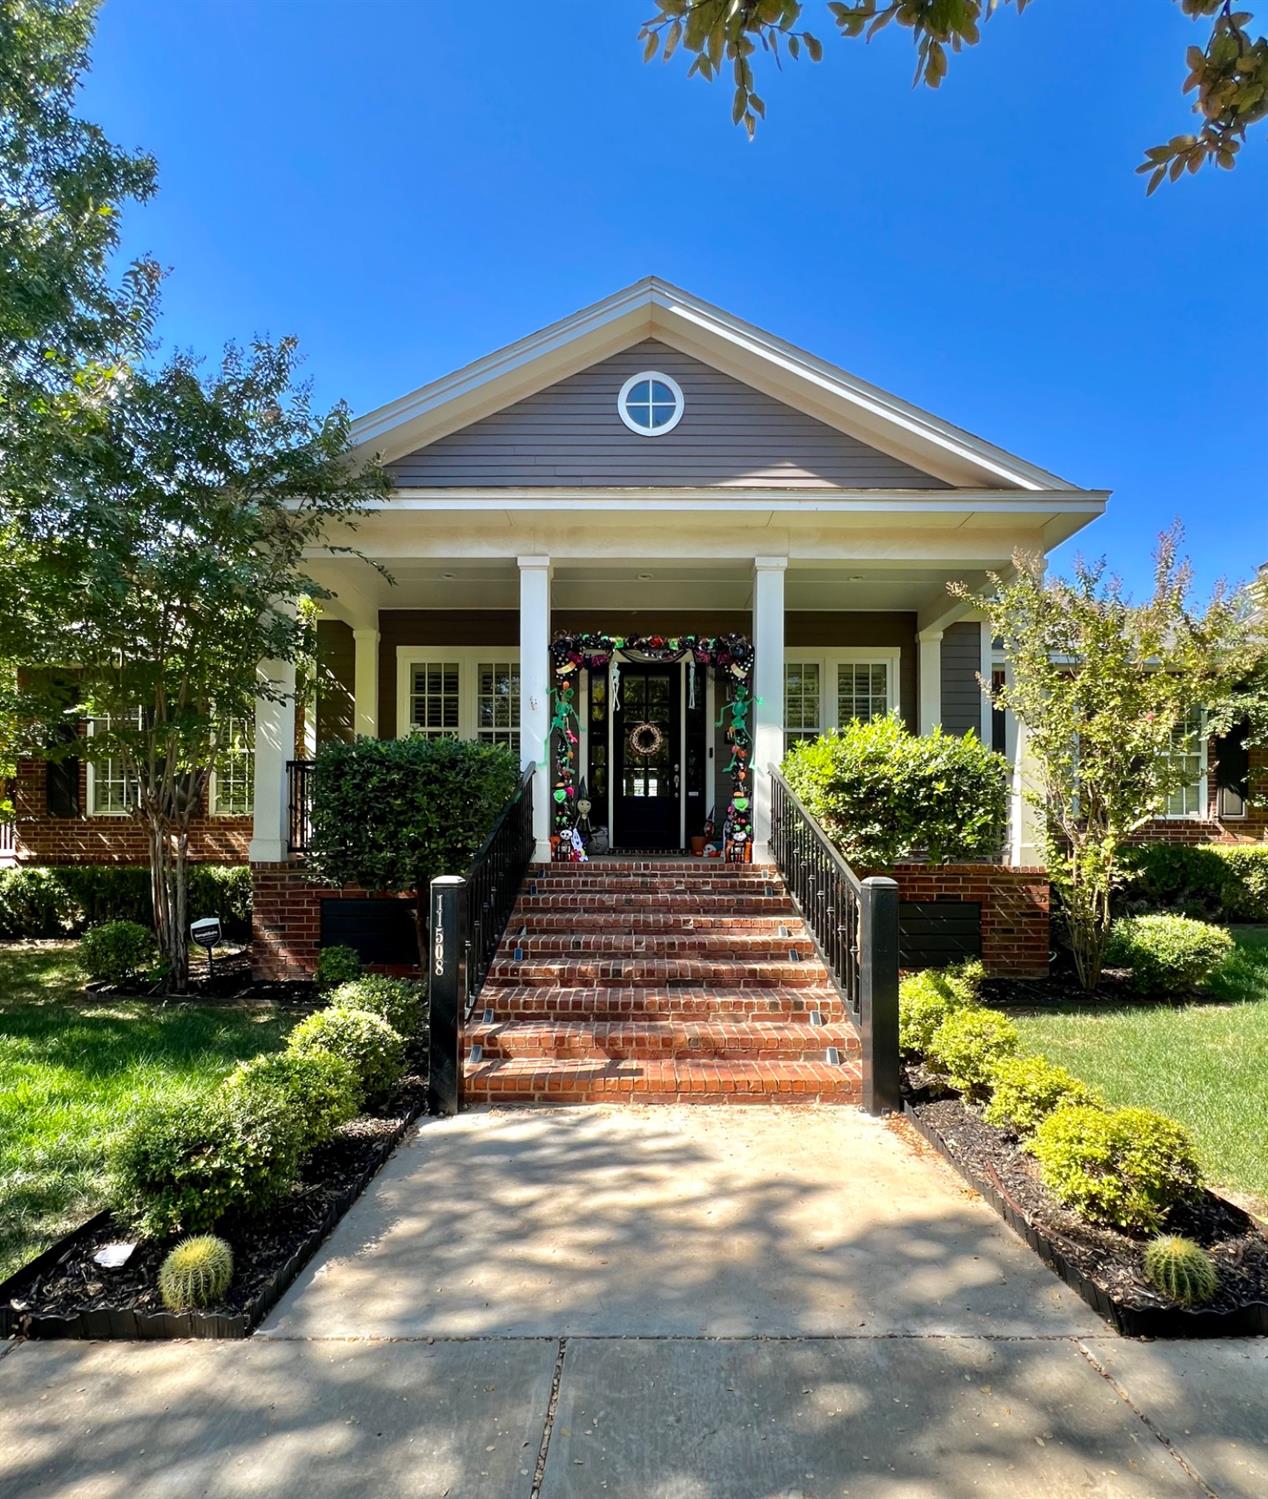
647	744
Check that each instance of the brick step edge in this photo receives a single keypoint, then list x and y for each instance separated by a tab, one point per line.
652	1040
669	1082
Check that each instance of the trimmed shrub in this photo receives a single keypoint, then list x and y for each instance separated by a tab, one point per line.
323	1090
968	1044
62	900
1167	954
398	1001
181	1165
882	794
196	1273
1212	881
1181	1269
1025	1090
337	965
117	953
926	999
368	1044
1125	1167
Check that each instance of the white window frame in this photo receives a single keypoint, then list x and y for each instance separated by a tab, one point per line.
675	390
469	659
213	794
93	810
1203	812
829	659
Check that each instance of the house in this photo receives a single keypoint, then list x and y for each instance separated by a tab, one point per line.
649	465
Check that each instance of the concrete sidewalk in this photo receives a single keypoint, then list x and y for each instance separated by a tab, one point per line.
668	1303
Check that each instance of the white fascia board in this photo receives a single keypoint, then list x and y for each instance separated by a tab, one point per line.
878	501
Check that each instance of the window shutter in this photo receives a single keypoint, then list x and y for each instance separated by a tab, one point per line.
62	780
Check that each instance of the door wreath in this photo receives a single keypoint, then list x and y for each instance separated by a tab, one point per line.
646	739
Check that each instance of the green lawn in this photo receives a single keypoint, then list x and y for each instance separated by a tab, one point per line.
71	1068
1204	1064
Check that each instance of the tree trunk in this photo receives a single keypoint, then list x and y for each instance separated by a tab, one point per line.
169	870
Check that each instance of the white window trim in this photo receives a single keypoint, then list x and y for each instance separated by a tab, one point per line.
827	660
212	809
92	776
1203	813
468	659
674	389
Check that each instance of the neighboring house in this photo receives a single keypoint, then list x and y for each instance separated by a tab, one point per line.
650	464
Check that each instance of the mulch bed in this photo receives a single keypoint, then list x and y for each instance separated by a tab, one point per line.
1109	1261
65	1294
229	982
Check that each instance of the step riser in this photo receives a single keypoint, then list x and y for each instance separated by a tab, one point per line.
568	975
662	905
658	923
729	1051
697	946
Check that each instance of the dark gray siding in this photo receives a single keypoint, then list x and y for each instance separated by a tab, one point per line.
961	663
570	433
336	654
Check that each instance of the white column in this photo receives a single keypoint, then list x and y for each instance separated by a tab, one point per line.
365	684
929	670
535	691
274	746
768	689
1025	826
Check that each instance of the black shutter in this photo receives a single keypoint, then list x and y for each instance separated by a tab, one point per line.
62	780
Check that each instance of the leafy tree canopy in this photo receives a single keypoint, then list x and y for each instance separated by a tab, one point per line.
1228	72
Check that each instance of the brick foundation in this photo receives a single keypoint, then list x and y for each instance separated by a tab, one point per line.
1015	909
286	919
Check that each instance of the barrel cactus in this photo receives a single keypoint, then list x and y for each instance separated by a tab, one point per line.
1181	1269
196	1273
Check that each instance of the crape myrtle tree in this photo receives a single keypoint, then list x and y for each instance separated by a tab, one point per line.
1115	698
158	566
67	324
1227	63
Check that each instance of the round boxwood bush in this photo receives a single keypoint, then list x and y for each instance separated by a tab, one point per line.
883	794
1167	954
322	1089
374	1050
183	1164
968	1044
118	952
926	999
335	966
1025	1090
398	1001
1125	1167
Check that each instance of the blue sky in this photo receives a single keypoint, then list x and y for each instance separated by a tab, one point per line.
406	188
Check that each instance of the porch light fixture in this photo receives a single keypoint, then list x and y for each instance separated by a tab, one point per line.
650	404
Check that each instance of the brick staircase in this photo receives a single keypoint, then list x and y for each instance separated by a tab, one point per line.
658	981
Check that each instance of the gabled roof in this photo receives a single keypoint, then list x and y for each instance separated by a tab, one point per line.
654	308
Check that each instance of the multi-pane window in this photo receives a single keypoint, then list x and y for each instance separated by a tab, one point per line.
862	690
1186	754
803	700
435	699
498	703
110	789
233	776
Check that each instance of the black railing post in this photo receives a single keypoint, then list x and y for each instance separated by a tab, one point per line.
878	993
448	991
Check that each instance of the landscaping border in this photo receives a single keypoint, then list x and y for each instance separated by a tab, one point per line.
1131	1321
120	1324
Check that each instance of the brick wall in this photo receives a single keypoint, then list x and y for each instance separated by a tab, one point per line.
42	839
286	920
1015	909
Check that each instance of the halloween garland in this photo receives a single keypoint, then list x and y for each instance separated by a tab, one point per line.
731	656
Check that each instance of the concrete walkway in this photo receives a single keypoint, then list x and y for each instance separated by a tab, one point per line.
668	1303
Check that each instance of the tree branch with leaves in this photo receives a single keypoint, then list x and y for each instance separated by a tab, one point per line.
1228	72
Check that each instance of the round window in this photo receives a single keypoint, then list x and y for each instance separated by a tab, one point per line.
650	404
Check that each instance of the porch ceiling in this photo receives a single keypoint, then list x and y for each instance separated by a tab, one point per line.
919	587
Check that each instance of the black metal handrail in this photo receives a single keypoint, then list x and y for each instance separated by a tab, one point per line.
494	879
301	776
854	923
